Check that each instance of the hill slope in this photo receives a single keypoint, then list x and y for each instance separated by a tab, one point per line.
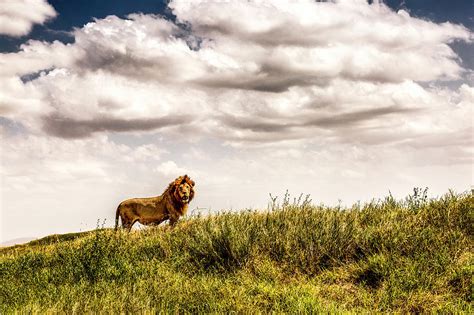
413	255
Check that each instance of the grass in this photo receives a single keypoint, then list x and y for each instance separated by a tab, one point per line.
413	255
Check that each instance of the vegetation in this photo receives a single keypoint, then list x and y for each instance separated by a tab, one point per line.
414	255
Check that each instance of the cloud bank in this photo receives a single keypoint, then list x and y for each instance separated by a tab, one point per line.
346	70
17	17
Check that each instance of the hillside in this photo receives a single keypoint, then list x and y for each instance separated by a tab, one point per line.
413	255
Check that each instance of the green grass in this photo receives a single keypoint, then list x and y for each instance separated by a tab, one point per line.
414	255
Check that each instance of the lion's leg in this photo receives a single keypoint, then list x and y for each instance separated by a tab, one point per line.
173	220
125	224
128	218
130	224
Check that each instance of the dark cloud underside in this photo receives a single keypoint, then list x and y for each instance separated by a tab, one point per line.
76	128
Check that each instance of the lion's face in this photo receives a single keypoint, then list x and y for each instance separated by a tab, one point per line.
184	189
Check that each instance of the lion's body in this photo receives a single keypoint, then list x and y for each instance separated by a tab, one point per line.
171	205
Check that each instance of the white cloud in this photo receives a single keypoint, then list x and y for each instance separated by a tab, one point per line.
170	168
325	39
147	152
18	16
334	67
343	71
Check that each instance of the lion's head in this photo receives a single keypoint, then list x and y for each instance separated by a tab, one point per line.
183	189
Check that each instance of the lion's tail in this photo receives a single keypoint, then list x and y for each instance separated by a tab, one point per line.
117	214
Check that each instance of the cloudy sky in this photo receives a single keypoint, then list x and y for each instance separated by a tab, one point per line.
344	100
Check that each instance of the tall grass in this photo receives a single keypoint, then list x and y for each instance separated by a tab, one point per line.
411	255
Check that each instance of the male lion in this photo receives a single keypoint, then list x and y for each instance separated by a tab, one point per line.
172	204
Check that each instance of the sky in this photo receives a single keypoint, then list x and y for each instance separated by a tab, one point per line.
344	100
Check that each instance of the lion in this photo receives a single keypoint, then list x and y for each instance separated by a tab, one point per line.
171	205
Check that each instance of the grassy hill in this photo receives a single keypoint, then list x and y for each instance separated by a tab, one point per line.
414	255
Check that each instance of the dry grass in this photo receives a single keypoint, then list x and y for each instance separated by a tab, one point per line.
414	255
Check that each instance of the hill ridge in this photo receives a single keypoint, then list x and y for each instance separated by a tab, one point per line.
411	255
